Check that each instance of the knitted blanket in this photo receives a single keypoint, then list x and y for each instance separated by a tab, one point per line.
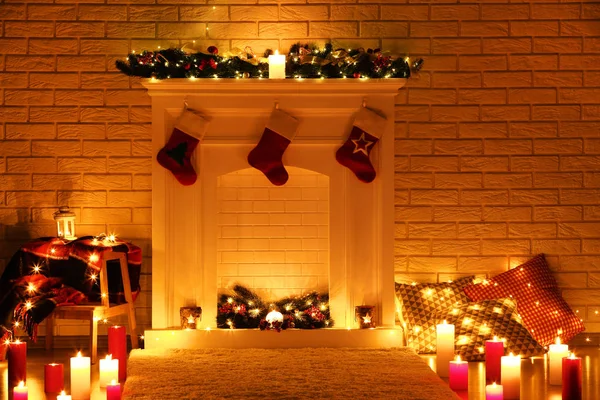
49	272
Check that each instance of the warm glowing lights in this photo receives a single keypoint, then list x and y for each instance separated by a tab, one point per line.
36	269
17	324
93	276
414	283
103	295
230	300
94	257
52	250
28	305
31	288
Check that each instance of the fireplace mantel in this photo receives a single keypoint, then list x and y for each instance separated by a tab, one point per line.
361	227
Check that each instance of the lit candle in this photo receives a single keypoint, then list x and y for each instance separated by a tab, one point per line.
17	362
459	375
556	353
277	66
494	350
511	376
494	392
113	391
20	391
63	396
571	376
117	346
54	378
109	370
80	377
445	348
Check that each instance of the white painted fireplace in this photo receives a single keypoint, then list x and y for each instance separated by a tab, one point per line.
324	230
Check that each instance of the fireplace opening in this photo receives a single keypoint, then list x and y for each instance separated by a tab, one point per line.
273	240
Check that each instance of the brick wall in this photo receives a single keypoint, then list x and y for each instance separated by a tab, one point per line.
498	138
274	239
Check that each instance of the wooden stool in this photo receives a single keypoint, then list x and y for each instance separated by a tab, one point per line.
96	311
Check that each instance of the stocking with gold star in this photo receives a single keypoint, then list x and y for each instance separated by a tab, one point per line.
176	155
354	153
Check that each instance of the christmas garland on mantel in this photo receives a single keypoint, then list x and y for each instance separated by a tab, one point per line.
303	61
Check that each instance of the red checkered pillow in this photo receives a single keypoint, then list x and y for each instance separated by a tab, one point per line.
545	313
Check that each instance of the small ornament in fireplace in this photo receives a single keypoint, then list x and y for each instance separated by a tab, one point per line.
365	315
190	317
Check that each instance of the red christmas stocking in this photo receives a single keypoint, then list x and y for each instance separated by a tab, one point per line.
354	153
176	156
266	156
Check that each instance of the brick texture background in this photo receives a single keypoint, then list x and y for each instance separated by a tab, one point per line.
498	138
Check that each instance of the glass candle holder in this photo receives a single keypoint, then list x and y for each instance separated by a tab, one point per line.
365	316
190	317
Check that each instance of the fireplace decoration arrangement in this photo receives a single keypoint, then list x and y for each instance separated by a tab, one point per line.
324	231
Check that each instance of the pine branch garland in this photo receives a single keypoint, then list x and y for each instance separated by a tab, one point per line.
303	61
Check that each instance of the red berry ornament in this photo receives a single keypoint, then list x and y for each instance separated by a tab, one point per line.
213	50
356	75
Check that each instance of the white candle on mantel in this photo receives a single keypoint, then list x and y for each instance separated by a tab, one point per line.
511	376
80	377
109	370
556	353
63	396
277	66
445	348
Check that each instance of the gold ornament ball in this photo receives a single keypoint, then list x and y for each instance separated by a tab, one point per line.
246	75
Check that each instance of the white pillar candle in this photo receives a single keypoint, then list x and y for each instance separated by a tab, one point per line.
556	353
63	396
109	370
80	377
494	392
445	348
277	66
511	376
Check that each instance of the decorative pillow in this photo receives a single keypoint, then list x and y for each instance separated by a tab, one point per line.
474	323
419	301
545	313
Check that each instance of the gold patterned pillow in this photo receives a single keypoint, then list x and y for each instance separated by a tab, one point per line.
474	323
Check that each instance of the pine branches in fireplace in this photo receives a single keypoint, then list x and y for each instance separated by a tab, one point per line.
242	308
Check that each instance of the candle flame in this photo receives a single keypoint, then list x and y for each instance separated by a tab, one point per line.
511	354
495	338
276	52
494	385
21	384
17	341
78	354
445	323
457	359
108	357
63	393
558	340
113	382
572	355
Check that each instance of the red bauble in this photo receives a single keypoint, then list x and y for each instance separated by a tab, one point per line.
187	67
356	75
213	50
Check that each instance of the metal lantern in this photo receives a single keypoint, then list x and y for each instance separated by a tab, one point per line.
65	223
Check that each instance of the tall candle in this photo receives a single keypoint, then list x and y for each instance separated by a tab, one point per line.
571	377
494	392
80	377
113	391
117	346
20	391
494	350
54	378
277	66
109	370
17	362
511	376
459	375
63	396
556	353
445	348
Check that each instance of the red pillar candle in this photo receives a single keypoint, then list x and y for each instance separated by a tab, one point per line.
113	391
571	378
117	346
459	375
54	378
494	350
17	362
